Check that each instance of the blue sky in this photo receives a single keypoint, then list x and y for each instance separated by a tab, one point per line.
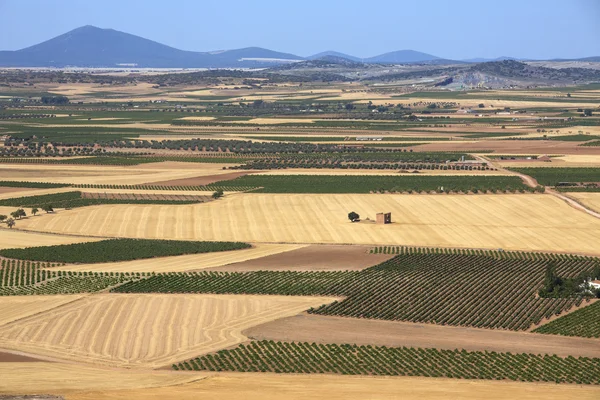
456	29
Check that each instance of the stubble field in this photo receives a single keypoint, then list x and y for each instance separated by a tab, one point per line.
147	331
515	222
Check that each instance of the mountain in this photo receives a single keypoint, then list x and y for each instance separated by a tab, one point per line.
90	46
402	57
333	54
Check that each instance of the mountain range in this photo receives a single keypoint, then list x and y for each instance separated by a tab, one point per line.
90	46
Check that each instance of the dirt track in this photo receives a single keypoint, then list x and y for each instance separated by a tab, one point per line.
312	258
325	329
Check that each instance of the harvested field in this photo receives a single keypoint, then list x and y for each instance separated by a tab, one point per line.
326	329
191	261
312	258
44	377
201	180
12	190
13	308
590	200
12	238
92	174
261	386
146	330
512	222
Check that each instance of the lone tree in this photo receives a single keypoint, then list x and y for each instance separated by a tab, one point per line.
3	218
48	208
10	222
353	217
34	211
218	194
587	112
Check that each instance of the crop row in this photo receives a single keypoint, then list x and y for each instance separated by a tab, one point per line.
447	289
584	322
556	176
210	188
359	184
498	254
277	163
114	250
349	359
36	185
75	199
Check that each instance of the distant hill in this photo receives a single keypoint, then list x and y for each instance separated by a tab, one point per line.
402	57
90	46
333	54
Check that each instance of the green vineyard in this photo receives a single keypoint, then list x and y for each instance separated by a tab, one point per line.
449	289
349	359
20	278
584	322
113	250
358	184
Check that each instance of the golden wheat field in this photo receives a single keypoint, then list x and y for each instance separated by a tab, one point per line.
251	386
591	200
11	238
515	222
188	262
92	174
45	377
14	308
148	331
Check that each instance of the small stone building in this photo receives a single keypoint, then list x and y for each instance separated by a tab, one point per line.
384	218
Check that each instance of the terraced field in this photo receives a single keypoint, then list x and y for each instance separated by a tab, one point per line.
517	222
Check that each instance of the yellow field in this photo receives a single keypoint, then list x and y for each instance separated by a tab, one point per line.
251	386
13	308
93	174
516	222
12	238
188	262
150	330
43	377
591	200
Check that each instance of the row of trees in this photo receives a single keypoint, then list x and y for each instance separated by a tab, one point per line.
21	213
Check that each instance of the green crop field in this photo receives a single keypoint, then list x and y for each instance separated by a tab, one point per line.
464	288
349	359
114	250
584	322
362	184
553	176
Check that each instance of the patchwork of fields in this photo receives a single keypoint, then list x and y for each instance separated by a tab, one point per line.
252	282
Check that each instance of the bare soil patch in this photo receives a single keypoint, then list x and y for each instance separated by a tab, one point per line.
312	258
200	180
325	329
10	357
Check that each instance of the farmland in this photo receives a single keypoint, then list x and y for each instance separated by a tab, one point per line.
371	360
200	242
508	221
117	250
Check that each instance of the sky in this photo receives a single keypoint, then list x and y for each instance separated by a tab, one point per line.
453	29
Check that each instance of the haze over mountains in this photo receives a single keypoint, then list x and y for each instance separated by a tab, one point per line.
90	46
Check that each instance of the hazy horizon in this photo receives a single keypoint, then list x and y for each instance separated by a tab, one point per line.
534	29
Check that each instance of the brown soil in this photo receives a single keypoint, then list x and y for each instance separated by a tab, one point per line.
325	329
312	258
200	180
10	357
513	147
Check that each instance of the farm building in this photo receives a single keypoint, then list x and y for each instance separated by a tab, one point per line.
595	284
369	138
384	218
